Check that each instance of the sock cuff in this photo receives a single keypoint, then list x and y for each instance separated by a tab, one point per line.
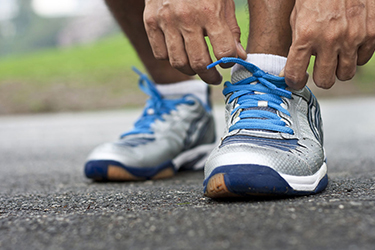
272	64
195	87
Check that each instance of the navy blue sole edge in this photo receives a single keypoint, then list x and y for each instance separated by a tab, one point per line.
257	180
98	169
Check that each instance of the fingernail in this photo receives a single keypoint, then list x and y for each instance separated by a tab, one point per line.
282	72
242	51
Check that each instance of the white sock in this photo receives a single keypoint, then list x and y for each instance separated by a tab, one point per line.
195	87
271	64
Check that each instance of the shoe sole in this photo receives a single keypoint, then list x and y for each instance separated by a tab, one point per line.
109	170
256	180
116	173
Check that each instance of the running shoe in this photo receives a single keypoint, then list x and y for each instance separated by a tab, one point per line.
171	134
273	142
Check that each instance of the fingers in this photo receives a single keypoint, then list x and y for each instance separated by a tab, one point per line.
199	58
296	66
241	52
231	21
190	56
365	52
224	34
225	45
177	31
222	42
367	48
325	68
328	65
343	37
176	52
346	67
155	37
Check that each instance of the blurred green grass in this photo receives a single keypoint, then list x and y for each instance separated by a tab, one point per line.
87	77
99	76
93	63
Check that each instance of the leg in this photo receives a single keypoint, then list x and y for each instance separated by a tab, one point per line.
131	21
270	35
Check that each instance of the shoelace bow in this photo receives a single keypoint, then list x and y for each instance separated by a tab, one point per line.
155	107
259	90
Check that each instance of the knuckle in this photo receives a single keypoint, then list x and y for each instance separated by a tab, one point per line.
355	9
331	38
209	9
354	37
303	40
305	33
165	14
226	51
151	22
160	56
294	77
184	15
178	63
351	37
199	65
236	30
301	47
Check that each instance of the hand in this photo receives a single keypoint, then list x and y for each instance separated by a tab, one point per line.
176	30
340	33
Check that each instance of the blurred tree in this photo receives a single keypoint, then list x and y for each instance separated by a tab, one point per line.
32	32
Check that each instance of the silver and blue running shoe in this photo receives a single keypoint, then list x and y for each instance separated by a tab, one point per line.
273	143
171	134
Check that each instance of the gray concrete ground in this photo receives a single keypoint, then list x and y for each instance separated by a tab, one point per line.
46	203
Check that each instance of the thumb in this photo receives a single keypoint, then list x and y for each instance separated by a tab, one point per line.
230	16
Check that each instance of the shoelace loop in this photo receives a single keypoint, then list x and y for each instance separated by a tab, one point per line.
257	96
156	106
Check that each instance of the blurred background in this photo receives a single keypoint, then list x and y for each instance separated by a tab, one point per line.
69	55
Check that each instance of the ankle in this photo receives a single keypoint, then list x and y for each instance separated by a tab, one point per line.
272	64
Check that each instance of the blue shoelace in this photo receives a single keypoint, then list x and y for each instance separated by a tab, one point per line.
155	108
260	87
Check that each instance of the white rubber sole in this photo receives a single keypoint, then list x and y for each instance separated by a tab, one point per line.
305	183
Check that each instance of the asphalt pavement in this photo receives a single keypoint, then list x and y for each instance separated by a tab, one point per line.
47	203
